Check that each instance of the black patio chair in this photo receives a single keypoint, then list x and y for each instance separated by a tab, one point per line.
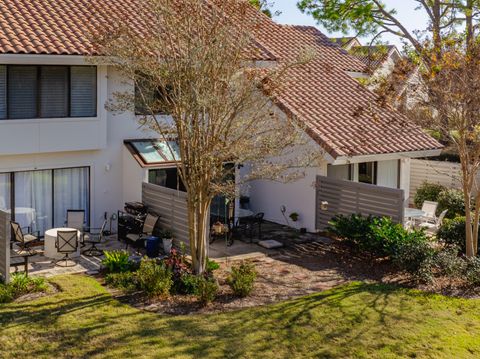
95	237
66	243
137	240
248	224
23	241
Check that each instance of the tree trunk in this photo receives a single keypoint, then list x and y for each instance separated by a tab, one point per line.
198	219
470	252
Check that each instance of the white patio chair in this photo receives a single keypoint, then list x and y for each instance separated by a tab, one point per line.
433	228
430	208
76	220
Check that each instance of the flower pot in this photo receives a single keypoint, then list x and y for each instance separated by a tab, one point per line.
167	245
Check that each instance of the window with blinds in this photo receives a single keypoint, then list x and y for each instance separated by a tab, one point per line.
47	91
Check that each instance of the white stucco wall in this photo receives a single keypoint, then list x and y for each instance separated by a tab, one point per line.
298	196
114	178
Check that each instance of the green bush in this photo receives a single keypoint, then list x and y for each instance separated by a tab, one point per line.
6	295
415	256
354	228
122	280
242	279
117	261
187	285
451	200
448	263
20	285
378	236
472	272
211	266
153	278
427	192
206	289
453	233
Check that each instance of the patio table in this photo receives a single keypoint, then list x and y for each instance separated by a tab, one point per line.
411	214
51	238
242	213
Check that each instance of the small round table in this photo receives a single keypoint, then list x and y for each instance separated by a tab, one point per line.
50	240
411	214
242	213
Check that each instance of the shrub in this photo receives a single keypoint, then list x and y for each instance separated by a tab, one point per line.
453	233
378	236
211	266
21	284
206	289
415	256
6	295
448	263
179	267
472	272
121	280
427	192
453	201
242	279
117	261
187	285
354	228
153	278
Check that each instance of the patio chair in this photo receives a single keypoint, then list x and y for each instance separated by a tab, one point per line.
76	220
136	239
434	227
93	238
430	208
66	243
23	241
249	223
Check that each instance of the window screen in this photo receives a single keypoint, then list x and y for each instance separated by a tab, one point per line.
3	92
22	92
54	91
83	89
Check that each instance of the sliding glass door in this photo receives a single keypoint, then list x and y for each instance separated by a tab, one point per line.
33	199
41	198
71	191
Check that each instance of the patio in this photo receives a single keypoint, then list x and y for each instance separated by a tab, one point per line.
218	251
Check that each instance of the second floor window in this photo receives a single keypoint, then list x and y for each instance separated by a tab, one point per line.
47	91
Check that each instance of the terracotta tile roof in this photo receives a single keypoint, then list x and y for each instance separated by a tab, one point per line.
344	117
340	114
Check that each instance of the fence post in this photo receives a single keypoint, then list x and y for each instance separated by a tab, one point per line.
4	246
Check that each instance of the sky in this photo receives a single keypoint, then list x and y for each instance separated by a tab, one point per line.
405	9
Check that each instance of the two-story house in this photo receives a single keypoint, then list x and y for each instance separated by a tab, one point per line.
60	148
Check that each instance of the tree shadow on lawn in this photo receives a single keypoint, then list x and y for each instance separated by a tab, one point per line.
328	323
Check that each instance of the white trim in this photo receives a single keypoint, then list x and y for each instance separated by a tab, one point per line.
358	75
385	157
29	59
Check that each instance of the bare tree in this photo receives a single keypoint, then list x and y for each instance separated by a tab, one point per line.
196	61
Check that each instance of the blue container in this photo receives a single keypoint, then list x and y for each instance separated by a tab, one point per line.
152	246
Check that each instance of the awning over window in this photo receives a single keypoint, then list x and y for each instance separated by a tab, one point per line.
154	153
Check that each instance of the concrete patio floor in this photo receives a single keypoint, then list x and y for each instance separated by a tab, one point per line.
218	250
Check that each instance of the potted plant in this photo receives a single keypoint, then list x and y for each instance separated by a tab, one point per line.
167	240
294	216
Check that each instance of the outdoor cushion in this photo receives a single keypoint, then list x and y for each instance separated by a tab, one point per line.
270	244
29	238
133	237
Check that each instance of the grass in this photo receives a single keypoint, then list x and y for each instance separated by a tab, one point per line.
357	320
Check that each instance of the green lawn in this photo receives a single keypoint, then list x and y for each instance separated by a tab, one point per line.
358	320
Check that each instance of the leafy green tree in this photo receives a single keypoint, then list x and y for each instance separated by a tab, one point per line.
263	6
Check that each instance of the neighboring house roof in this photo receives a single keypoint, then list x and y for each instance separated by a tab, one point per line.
339	113
345	42
374	56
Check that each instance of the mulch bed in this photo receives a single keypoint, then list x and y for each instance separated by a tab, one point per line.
294	272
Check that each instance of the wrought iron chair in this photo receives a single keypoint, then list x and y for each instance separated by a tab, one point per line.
76	220
66	243
93	238
23	241
248	224
136	239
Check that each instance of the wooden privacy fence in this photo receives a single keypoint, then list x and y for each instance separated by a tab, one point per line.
346	197
171	206
445	173
4	245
